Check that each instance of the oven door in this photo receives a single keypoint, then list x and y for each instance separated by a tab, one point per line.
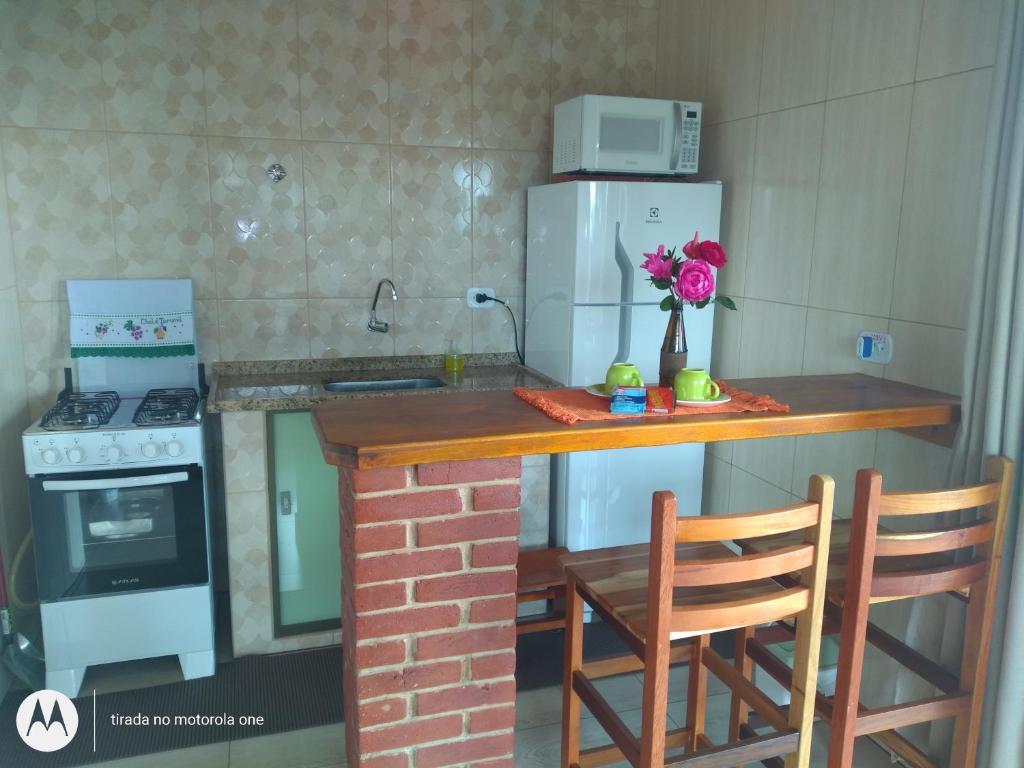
118	531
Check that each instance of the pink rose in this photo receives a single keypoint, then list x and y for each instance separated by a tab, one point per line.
691	248
658	264
712	253
695	281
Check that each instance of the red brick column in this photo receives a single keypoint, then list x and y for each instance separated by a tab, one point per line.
428	613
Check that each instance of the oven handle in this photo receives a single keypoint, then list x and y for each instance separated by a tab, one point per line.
112	483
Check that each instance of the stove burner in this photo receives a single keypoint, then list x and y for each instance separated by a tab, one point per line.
161	407
81	410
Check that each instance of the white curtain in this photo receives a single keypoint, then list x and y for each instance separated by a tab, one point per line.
993	392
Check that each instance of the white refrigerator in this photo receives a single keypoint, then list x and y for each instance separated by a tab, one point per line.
588	304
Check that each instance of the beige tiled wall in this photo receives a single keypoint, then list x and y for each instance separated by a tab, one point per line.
849	135
135	135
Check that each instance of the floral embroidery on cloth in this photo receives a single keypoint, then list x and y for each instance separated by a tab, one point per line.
167	334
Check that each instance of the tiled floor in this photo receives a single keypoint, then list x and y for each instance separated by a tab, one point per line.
538	734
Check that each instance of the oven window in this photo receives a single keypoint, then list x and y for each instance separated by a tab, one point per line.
104	532
630	134
119	527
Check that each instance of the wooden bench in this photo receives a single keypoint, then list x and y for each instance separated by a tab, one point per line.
541	577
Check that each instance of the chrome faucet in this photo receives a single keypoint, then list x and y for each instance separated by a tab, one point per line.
380	326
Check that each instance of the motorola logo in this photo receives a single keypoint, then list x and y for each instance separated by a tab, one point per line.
47	721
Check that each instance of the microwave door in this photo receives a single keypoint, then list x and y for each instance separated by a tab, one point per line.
677	136
635	142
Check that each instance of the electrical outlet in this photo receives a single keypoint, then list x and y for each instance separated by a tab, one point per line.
471	295
874	347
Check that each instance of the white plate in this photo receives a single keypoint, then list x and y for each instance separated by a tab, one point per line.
705	403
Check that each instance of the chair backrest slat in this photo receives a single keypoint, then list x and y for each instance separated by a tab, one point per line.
930	502
713	617
747	526
927	581
730	570
934	541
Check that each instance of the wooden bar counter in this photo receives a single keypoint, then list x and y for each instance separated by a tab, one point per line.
429	494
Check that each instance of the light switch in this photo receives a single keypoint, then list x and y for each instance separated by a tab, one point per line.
875	347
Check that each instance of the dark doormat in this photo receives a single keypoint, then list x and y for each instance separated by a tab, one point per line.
290	691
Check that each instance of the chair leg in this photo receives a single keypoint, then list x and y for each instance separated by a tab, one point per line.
965	738
846	701
856	607
973	665
696	693
573	661
739	712
655	705
804	689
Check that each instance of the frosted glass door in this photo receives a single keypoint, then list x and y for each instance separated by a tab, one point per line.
304	503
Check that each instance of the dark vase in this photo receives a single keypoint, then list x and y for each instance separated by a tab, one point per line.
673	348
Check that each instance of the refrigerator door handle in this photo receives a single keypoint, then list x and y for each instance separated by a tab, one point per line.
625	297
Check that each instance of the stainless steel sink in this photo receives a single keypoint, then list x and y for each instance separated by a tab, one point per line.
382	385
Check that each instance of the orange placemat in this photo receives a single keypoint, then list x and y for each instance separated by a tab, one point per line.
572	405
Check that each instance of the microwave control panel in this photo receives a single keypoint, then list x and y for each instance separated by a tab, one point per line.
688	150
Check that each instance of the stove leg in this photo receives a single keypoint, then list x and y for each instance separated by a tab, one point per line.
199	664
67	681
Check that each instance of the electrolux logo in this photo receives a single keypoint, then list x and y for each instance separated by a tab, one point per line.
653	216
47	721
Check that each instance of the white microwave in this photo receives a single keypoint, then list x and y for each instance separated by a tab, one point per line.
614	134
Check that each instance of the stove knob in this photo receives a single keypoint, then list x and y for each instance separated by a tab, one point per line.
50	455
76	455
150	450
174	448
114	453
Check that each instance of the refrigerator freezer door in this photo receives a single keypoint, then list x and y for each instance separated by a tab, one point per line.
620	221
595	340
605	496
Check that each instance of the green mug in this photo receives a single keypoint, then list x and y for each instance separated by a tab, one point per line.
622	375
695	384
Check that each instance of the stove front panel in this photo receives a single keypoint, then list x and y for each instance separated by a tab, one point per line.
122	446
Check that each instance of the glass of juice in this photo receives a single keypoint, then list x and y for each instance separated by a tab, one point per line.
454	361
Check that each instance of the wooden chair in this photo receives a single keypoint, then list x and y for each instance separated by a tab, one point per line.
684	586
869	564
540	576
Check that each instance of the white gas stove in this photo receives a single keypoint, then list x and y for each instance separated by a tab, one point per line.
117	488
99	430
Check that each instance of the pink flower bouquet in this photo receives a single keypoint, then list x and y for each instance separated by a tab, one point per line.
690	279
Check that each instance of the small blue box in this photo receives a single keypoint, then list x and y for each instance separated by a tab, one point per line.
628	400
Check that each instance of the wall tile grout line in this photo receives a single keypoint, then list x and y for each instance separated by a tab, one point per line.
867	92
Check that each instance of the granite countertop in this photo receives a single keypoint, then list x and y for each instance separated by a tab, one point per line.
295	385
